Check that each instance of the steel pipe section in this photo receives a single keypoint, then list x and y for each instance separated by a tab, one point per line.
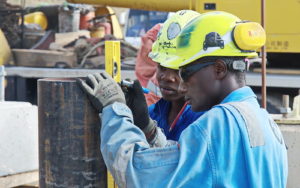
69	131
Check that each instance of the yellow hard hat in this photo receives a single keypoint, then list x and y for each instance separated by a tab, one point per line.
168	37
213	34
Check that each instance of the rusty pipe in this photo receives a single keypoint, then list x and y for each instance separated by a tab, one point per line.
158	5
69	130
263	63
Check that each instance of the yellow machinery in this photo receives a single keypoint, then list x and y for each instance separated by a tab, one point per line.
36	18
109	24
116	29
5	52
283	32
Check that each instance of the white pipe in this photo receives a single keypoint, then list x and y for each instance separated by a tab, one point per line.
2	86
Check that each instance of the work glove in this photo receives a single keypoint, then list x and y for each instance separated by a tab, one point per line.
102	90
136	101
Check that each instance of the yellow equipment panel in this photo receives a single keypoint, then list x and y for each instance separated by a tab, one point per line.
281	17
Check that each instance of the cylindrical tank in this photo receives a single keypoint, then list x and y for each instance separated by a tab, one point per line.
69	130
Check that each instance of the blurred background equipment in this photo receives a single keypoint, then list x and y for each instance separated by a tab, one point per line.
68	19
5	52
9	23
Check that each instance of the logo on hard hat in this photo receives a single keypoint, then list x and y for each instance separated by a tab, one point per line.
213	39
167	45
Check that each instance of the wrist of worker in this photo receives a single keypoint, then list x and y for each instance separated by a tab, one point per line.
155	136
150	131
113	100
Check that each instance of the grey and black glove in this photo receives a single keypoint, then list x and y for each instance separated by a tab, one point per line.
136	101
102	90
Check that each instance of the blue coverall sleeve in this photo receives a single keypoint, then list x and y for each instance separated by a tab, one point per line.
134	164
127	154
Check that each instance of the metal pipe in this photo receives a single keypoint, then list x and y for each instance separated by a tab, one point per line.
157	5
286	105
263	64
69	131
2	83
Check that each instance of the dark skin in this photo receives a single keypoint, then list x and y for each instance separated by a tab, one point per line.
209	86
168	81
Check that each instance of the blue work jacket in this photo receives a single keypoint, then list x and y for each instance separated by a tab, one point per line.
159	112
218	150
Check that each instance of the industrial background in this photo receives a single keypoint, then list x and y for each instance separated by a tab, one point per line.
57	41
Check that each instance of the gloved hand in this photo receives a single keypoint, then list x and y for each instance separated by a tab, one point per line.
102	90
136	101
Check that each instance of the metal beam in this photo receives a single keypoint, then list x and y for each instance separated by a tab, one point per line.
274	80
29	72
252	79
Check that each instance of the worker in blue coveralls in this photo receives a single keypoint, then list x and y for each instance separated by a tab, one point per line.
233	144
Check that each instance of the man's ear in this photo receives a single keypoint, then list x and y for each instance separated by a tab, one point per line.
220	69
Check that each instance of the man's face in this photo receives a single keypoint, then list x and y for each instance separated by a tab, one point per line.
168	81
199	85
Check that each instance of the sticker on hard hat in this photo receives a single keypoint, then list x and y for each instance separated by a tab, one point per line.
249	36
173	30
213	39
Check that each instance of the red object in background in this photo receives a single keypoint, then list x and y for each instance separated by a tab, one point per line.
84	20
145	68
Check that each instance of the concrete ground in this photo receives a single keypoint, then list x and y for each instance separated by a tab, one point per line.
291	134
